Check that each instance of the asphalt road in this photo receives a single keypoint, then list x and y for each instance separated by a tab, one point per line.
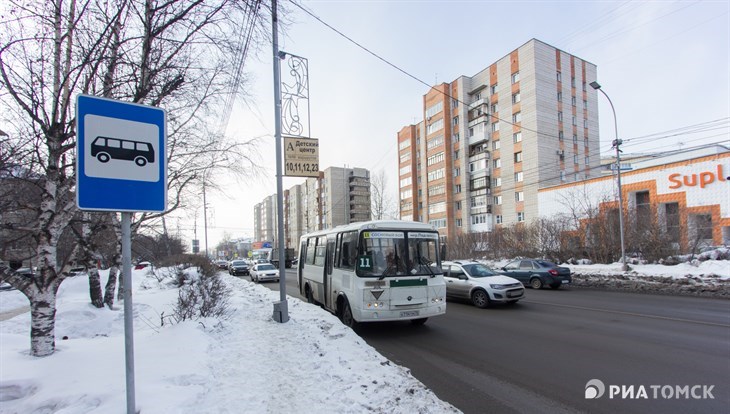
538	356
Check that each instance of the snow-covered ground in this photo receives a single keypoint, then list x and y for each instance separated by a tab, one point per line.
245	364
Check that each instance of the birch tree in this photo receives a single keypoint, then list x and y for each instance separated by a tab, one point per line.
184	56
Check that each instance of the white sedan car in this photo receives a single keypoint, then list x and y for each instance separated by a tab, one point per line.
468	279
264	271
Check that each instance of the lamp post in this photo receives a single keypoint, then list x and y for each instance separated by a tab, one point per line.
616	144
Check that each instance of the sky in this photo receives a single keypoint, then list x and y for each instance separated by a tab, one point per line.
664	64
246	363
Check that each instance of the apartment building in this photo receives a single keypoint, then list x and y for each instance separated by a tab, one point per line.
338	196
487	143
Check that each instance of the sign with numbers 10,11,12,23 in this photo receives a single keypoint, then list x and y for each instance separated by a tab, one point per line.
301	157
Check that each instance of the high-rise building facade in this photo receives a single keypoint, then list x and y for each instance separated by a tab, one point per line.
338	196
487	143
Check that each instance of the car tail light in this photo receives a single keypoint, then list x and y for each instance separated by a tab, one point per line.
553	272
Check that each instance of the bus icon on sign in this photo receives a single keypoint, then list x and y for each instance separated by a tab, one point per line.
106	148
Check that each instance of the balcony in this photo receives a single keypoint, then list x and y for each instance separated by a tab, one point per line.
478	137
478	103
481	118
359	182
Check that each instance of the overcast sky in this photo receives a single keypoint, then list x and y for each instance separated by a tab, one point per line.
665	65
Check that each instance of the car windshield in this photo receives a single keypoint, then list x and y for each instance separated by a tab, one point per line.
266	267
238	263
478	270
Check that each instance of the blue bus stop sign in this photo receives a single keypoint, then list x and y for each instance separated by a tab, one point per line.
121	158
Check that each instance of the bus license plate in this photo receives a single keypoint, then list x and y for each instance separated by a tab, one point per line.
406	314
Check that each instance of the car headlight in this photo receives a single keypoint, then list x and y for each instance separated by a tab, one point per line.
498	286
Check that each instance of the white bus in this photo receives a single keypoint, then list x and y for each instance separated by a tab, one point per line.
374	271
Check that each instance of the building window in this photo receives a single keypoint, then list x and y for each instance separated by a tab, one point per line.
436	190
435	126
562	175
497	163
456	154
572	82
435	208
560	77
516	98
520	216
585	123
515	77
572	100
457	172
585	141
434	109
575	139
518	177
585	102
457	188
494	89
455	137
479	219
498	218
435	175
458	205
435	142
495	145
560	116
458	222
560	96
517	137
575	159
404	144
519	196
435	159
494	108
561	136
518	156
495	127
455	121
671	219
405	157
587	159
575	121
405	182
455	102
498	200
517	117
438	223
405	170
497	182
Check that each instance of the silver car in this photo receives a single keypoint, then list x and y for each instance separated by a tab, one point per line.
264	271
469	279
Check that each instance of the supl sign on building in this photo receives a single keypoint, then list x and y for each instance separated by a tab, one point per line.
121	156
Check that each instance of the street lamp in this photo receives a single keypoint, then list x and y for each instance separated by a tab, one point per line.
616	144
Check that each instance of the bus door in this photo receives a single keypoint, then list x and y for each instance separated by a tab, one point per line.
328	273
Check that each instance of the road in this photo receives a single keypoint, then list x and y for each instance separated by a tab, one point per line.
538	356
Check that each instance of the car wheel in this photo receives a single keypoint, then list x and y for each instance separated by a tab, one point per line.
419	321
536	283
480	298
346	316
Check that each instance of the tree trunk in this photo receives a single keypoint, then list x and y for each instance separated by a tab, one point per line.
120	291
97	299
43	321
111	284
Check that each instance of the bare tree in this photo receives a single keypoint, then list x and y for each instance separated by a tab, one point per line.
383	205
185	56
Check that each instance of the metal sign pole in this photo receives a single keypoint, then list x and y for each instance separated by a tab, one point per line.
128	310
281	312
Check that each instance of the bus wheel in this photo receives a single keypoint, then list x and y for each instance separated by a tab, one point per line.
141	161
103	157
346	316
419	321
310	297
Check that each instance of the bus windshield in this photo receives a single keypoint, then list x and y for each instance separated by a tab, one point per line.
398	253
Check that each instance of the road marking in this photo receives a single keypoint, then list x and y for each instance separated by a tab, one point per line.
641	315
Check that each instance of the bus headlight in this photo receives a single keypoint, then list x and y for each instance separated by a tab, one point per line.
437	300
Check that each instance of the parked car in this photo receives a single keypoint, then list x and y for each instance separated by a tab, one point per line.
238	267
469	279
142	265
538	273
222	264
262	272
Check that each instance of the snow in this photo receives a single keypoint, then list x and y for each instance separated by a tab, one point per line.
247	363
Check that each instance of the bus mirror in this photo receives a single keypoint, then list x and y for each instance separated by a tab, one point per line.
365	263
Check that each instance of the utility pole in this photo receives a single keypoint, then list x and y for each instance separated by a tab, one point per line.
205	221
281	312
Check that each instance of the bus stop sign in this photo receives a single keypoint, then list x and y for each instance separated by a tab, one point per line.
121	158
